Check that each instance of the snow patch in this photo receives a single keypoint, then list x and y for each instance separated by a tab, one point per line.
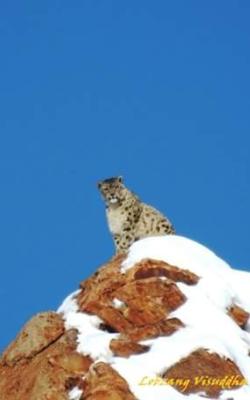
69	304
117	303
75	393
178	251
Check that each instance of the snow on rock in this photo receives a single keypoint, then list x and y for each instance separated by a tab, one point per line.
92	341
188	254
204	314
241	284
69	304
179	251
117	303
75	393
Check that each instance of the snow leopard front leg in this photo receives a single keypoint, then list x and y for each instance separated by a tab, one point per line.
124	240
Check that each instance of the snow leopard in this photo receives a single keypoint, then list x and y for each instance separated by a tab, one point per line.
129	219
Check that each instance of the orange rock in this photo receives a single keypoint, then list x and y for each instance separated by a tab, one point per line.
205	372
43	375
111	316
104	383
149	268
149	287
37	334
143	309
123	347
239	315
102	284
147	301
144	312
163	328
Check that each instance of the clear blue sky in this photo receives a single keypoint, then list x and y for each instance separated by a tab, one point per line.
155	91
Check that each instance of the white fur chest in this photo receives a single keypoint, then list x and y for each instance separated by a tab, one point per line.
116	220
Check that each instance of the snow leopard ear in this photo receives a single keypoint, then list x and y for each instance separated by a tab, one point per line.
99	184
120	179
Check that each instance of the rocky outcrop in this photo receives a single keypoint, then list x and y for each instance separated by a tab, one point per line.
205	372
104	383
43	362
239	315
135	304
37	334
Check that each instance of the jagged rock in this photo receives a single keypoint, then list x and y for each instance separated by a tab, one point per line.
149	268
151	293
44	374
101	285
104	383
163	328
239	315
37	334
199	369
123	347
147	301
112	317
